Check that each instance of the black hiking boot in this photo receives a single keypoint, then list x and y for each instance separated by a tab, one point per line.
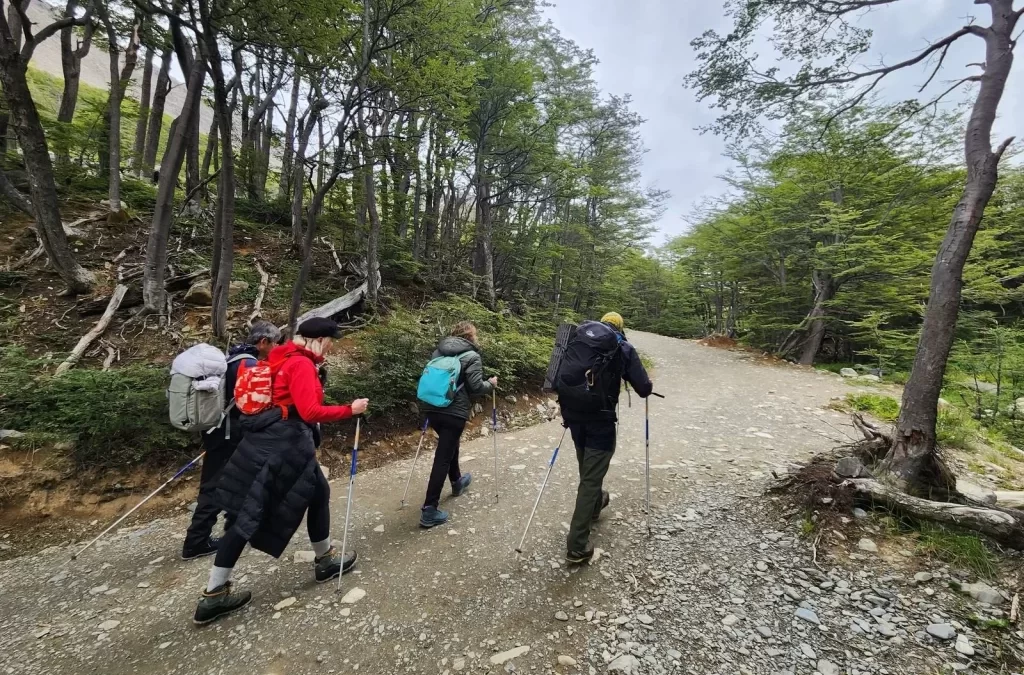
193	552
330	566
219	602
580	557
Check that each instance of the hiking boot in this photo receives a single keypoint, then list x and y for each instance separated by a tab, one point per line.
459	486
209	548
432	517
219	602
330	565
603	504
580	557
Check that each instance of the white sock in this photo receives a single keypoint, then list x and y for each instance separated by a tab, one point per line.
321	547
218	577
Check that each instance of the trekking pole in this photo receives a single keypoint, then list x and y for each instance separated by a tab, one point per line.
423	434
494	434
551	464
348	506
647	458
136	507
647	455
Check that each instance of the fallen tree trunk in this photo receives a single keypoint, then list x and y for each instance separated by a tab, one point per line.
339	305
264	282
1001	526
133	298
97	330
336	306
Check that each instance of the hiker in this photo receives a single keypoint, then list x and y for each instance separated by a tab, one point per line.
448	415
588	383
274	477
220	442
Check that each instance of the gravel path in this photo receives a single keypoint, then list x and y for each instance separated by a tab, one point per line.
725	585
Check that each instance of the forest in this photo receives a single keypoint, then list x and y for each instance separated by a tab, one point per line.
394	163
399	163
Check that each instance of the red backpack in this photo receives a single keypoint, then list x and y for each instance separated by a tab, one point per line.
254	388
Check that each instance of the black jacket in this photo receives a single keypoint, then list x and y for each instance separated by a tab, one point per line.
471	381
270	480
626	367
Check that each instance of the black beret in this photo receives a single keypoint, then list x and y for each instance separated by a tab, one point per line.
319	328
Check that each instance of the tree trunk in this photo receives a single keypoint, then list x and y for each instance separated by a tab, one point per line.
192	177
156	114
211	148
284	188
913	459
14	23
163	214
42	186
483	265
9	192
824	291
119	81
139	147
71	64
299	171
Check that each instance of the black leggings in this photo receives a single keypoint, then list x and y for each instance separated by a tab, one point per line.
446	459
318	525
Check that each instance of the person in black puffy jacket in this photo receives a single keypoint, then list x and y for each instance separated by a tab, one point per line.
220	443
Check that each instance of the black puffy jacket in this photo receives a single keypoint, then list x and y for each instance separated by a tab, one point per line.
270	480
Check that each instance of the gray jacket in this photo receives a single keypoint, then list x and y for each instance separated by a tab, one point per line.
472	379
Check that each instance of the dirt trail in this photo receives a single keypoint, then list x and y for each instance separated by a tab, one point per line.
451	599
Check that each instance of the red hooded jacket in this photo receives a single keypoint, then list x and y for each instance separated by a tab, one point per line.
296	384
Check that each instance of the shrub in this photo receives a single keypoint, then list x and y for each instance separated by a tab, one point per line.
885	408
392	355
114	418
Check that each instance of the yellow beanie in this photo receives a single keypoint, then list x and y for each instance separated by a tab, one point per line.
614	319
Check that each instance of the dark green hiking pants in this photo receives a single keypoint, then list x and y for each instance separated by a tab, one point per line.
595	445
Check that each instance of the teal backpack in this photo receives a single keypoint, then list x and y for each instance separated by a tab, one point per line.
440	381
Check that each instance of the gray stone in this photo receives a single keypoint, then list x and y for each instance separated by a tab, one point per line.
982	592
501	657
866	544
963	646
942	631
566	661
923	577
807	615
10	433
561	616
765	631
869	378
859	513
304	557
644	619
851	467
848	372
826	667
673	654
627	663
807	651
887	629
730	620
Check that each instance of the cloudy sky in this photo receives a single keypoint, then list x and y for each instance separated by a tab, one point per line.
644	49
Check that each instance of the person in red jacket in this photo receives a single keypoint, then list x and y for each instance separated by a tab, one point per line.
274	479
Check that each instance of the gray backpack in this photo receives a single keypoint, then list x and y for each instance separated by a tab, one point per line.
192	405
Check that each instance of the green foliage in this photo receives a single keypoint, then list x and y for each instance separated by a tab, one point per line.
393	353
965	551
88	408
884	408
